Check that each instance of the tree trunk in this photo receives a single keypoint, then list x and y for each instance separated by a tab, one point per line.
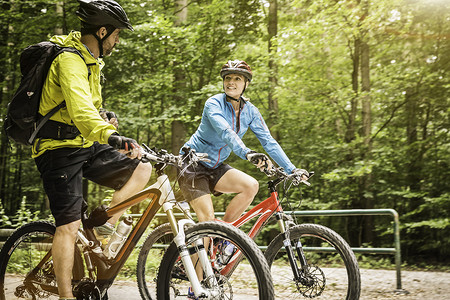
60	14
353	224
272	29
366	184
4	99
413	157
178	126
350	133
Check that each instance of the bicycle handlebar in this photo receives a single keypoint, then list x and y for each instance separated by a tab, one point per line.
162	156
282	175
192	157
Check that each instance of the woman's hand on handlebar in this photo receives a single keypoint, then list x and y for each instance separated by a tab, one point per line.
297	176
260	160
302	175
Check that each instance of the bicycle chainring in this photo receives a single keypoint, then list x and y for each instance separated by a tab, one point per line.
87	290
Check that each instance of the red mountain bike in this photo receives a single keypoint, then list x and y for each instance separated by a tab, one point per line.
307	260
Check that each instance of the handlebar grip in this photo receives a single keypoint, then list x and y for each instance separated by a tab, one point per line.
186	150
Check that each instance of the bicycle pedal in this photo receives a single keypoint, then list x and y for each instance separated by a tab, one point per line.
191	294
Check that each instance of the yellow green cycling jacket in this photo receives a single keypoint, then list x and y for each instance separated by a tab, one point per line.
68	80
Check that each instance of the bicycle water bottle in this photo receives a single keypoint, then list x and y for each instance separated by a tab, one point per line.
118	238
227	252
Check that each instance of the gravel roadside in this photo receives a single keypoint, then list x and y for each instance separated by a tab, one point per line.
376	284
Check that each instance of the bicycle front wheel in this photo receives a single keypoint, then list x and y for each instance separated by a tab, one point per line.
149	259
331	270
26	266
249	279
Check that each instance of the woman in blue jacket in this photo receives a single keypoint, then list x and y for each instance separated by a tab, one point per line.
226	118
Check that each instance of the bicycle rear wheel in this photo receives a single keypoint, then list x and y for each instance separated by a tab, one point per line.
26	267
149	259
331	273
250	279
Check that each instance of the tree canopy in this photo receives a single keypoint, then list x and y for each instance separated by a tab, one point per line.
357	91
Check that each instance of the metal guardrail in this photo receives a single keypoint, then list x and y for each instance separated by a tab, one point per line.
349	212
314	213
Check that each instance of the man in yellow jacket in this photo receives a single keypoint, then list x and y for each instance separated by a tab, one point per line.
78	142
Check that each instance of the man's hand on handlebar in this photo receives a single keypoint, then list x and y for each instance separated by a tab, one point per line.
260	160
303	174
125	145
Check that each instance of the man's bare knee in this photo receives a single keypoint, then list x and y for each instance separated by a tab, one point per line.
67	232
70	228
143	172
144	169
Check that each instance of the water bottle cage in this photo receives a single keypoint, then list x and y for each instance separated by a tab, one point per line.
109	248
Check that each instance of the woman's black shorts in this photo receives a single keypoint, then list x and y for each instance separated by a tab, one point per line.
201	180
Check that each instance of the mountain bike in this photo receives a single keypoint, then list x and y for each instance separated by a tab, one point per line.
26	266
307	260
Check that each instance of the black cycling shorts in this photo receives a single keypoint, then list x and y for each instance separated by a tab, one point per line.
201	180
62	171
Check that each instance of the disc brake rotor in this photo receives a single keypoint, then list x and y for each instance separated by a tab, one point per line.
312	282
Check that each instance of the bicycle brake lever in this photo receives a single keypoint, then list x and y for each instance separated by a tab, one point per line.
305	182
270	172
146	148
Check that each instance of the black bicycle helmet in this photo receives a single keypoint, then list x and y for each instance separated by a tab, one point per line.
237	67
103	12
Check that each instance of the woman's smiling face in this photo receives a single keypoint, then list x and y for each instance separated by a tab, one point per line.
233	85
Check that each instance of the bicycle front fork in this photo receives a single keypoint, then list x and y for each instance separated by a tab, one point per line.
298	274
180	241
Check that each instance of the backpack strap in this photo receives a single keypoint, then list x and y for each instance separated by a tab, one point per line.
44	120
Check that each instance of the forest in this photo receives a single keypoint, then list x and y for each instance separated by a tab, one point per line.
356	90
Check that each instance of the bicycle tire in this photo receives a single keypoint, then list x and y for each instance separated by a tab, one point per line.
21	253
329	282
149	259
251	272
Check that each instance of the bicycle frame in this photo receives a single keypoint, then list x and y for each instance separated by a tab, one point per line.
107	272
264	211
161	194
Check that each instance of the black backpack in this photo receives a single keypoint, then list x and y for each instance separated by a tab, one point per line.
22	122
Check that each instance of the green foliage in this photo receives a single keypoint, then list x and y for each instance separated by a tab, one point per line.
4	220
368	261
24	215
166	69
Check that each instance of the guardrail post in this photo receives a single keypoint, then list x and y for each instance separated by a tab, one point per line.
398	260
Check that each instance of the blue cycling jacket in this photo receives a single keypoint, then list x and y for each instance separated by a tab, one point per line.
219	133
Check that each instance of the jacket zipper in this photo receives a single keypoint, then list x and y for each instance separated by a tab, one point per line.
238	127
